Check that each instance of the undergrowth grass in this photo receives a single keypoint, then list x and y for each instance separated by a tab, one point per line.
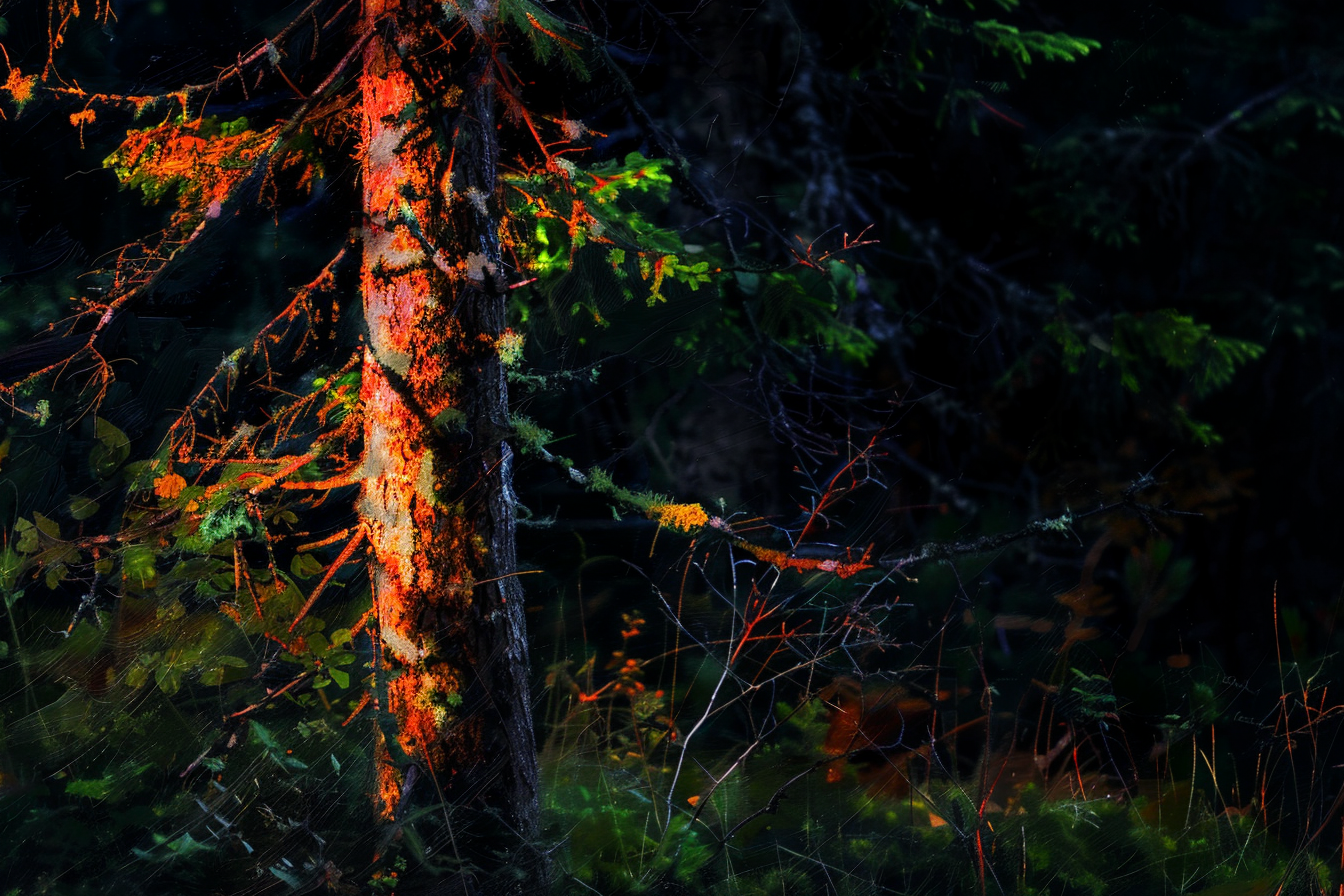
782	766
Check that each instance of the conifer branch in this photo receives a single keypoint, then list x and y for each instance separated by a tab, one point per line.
1057	525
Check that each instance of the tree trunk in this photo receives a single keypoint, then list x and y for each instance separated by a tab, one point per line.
437	496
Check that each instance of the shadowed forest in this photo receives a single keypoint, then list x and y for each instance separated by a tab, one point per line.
671	446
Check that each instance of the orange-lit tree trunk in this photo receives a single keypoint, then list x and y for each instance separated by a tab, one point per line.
437	499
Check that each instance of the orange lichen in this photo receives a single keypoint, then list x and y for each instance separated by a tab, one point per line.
657	269
389	786
81	118
842	568
426	553
418	700
169	486
200	164
364	701
682	517
532	20
20	88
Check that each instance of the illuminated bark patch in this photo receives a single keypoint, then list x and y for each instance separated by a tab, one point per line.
421	565
436	496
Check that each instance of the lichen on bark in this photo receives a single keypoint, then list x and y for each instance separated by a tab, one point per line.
436	506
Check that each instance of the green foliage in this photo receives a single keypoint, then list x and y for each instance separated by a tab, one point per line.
530	437
600	481
273	749
616	197
613	838
800	308
1087	697
591	262
1181	344
184	691
546	34
1018	45
932	39
111	450
1143	349
343	389
935	836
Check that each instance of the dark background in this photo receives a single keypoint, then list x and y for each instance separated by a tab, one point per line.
981	209
1191	163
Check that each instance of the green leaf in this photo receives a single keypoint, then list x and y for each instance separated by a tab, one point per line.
169	678
166	850
317	643
47	527
339	658
213	677
27	542
278	755
224	670
82	508
92	788
341	678
138	567
11	564
1070	345
226	522
305	566
111	451
137	675
233	128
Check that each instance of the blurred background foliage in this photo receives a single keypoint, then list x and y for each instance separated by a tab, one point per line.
981	265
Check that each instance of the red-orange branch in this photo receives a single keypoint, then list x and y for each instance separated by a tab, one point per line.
842	568
335	567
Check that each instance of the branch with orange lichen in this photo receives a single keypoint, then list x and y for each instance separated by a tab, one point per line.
202	166
691	519
809	258
221	196
835	489
783	560
62	13
341	559
295	324
682	517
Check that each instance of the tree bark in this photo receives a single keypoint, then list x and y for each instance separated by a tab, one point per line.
436	498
